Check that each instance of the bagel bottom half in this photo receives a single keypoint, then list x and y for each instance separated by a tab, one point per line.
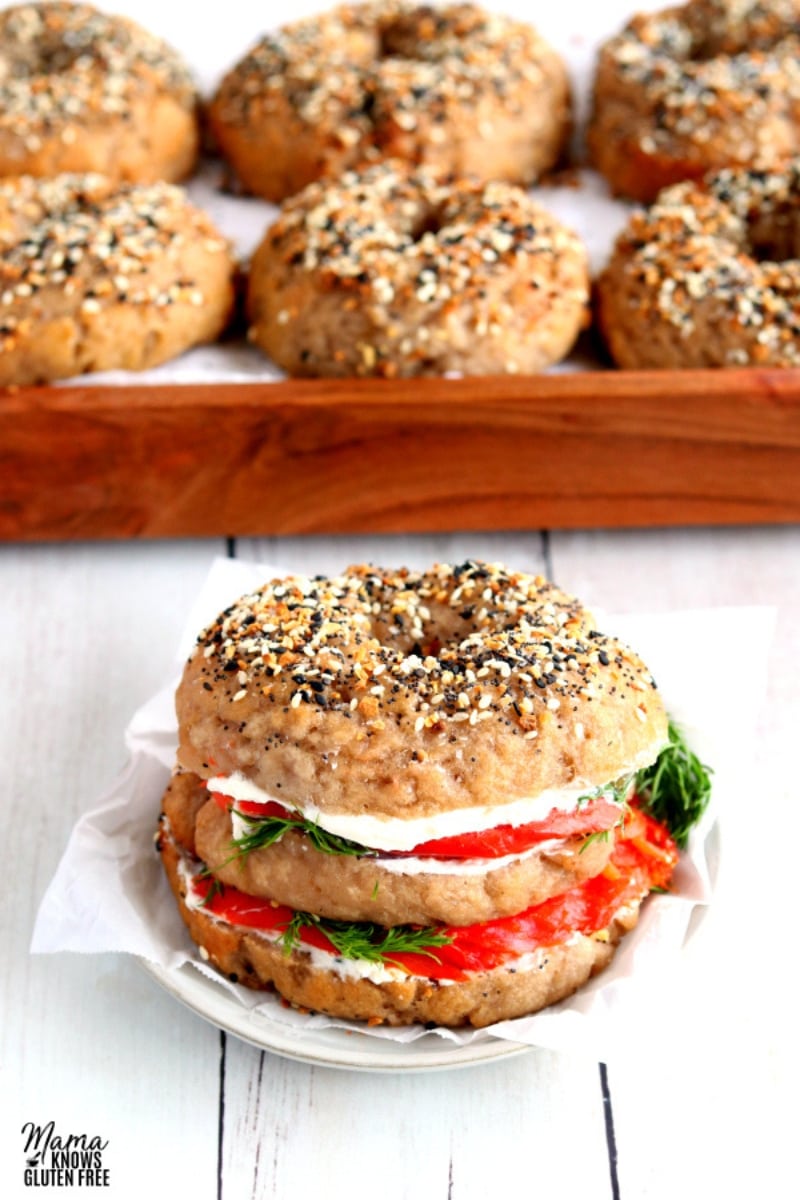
249	957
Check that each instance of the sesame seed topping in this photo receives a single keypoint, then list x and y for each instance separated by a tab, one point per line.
362	68
405	238
710	71
81	232
519	658
68	64
719	254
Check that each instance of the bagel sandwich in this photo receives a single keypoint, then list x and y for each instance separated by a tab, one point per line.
419	797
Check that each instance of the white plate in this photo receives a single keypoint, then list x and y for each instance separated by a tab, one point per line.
322	1047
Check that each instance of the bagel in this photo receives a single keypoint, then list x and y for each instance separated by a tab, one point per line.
690	89
407	796
365	697
96	275
462	90
82	91
709	276
390	996
394	272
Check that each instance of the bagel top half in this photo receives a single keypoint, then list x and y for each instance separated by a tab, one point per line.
459	694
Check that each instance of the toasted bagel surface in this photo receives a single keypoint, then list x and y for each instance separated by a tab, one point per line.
401	694
696	87
97	275
465	91
83	91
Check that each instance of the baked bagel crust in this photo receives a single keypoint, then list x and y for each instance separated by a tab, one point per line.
398	273
180	806
248	957
410	694
347	888
465	91
96	275
709	84
83	91
709	276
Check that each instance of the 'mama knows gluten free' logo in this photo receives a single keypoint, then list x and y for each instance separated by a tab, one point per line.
53	1160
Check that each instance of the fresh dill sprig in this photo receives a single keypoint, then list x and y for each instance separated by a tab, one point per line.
676	788
617	791
600	835
364	940
265	831
216	889
620	790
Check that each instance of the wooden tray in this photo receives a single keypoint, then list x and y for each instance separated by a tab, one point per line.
590	449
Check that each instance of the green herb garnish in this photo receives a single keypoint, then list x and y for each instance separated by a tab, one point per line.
676	788
216	888
363	940
600	835
617	791
265	831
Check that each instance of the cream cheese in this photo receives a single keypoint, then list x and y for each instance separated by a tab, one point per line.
404	833
241	827
187	873
466	866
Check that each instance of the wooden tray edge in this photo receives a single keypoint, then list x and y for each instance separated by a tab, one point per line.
581	449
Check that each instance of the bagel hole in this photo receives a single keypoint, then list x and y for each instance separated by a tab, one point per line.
716	33
56	60
711	46
49	56
427	221
412	35
440	633
775	237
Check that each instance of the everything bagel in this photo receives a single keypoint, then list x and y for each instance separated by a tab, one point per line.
96	275
709	276
412	796
84	91
456	88
391	272
684	91
407	695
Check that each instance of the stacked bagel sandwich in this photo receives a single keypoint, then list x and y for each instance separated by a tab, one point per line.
410	796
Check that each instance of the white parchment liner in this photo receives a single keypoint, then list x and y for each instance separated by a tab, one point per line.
109	892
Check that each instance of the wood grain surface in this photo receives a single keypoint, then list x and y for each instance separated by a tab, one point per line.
587	449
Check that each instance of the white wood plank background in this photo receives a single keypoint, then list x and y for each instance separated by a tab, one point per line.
726	1091
89	1043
